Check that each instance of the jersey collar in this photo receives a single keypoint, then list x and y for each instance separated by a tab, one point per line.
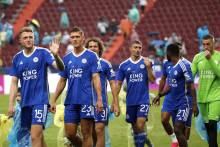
136	61
30	54
177	63
79	54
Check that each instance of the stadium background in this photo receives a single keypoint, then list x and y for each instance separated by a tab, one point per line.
163	16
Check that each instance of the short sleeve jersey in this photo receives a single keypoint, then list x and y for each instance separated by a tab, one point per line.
79	70
136	75
106	75
209	78
32	72
179	75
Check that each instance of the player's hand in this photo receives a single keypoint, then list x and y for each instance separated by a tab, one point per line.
11	111
147	62
195	110
54	46
112	108
52	108
207	55
99	106
156	101
116	110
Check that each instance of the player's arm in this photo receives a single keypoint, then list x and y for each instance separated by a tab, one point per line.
161	94
54	48
115	98
13	94
214	66
60	86
151	76
194	67
193	94
98	89
161	87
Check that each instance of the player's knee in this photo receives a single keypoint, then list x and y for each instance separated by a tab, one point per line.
100	131
178	130
87	132
164	121
140	127
36	137
70	136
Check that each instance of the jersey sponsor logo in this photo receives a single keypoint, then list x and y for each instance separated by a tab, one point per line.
207	74
142	66
29	74
76	72
35	59
84	60
20	63
173	82
136	77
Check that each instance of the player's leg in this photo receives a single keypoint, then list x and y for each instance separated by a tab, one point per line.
165	117
188	126
86	120
71	120
39	116
213	116
100	122
178	129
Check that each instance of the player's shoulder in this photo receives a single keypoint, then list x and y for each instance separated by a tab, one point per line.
19	54
42	49
184	65
187	61
67	56
103	61
90	53
124	63
199	55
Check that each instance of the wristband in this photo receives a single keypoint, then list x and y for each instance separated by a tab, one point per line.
159	95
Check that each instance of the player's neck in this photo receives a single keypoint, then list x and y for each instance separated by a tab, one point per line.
78	50
29	51
135	58
175	61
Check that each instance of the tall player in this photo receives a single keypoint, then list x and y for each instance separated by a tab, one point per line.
167	106
138	72
178	77
207	64
30	67
81	68
96	45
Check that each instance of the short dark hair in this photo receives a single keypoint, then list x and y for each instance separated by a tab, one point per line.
208	36
135	42
77	29
100	44
173	49
177	43
19	89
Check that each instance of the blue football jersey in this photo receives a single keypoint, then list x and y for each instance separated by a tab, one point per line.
166	70
79	70
137	81
32	72
179	75
106	74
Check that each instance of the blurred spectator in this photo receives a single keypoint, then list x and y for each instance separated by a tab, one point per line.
34	24
184	52
134	15
158	61
65	38
3	37
125	26
102	26
9	35
200	34
1	63
46	39
152	58
1	25
69	48
174	38
59	35
113	26
134	34
64	20
160	51
205	30
136	4
142	4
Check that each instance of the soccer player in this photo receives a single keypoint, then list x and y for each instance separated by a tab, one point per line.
81	68
207	64
101	120
30	66
138	72
167	106
179	75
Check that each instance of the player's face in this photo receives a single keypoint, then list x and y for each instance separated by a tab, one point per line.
168	56
181	51
76	39
27	40
93	46
136	50
18	97
208	44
